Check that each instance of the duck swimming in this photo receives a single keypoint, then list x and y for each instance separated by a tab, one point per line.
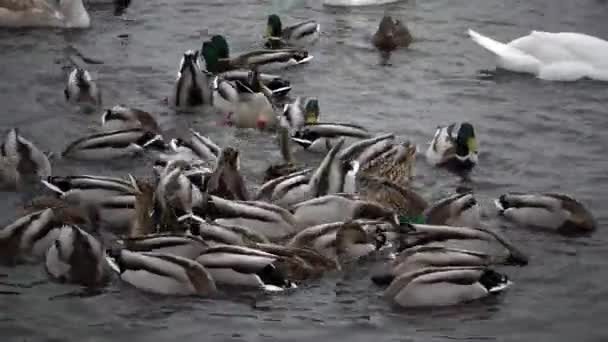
299	35
122	117
391	34
42	13
550	211
561	56
21	162
454	147
114	144
216	56
82	90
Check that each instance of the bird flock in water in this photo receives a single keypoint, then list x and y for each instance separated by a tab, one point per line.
196	228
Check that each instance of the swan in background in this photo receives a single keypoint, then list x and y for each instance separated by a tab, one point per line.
563	56
40	13
345	3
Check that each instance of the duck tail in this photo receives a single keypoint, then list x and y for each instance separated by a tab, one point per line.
52	187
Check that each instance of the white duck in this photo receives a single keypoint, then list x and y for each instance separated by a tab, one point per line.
562	56
40	13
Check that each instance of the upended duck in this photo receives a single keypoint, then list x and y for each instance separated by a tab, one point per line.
21	162
42	13
561	56
192	88
82	90
443	286
549	211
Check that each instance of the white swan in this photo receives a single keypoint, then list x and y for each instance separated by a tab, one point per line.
353	3
40	13
563	56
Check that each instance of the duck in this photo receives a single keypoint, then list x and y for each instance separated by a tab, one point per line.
192	88
552	56
319	136
298	35
160	273
340	208
239	266
76	257
41	13
458	210
196	145
27	239
122	117
300	263
408	204
391	34
557	212
248	105
113	144
272	221
477	239
287	165
445	286
183	245
301	186
301	111
216	57
82	90
390	160
226	180
175	195
74	188
342	242
279	87
21	161
216	233
454	147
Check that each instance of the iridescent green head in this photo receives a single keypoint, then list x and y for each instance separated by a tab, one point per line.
221	45
211	56
420	219
465	141
274	28
312	111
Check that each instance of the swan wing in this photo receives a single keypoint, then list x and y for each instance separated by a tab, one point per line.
508	56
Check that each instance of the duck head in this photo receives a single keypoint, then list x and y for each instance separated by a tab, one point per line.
466	143
274	27
312	111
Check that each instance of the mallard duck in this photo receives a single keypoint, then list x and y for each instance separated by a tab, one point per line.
319	136
278	86
28	238
226	180
454	147
562	56
82	90
40	13
71	188
340	208
21	162
340	241
459	210
216	55
299	112
159	273
287	164
248	105
274	222
391	34
192	87
442	286
472	239
300	34
114	144
551	211
215	233
197	145
244	267
186	246
76	257
405	202
122	117
390	160
300	263
176	196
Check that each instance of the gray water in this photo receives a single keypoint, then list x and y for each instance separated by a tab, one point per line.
534	136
